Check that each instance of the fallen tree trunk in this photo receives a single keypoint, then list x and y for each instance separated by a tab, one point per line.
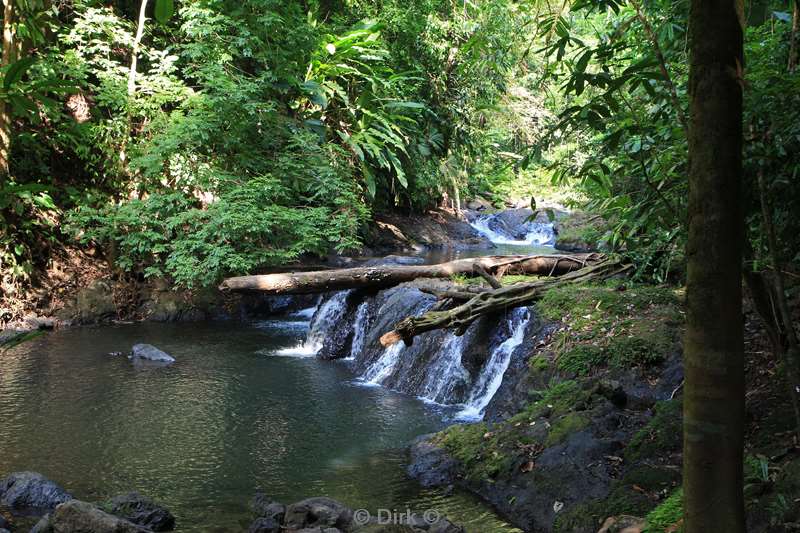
378	277
488	302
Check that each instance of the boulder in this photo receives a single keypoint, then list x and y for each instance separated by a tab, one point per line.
76	516
430	465
93	304
265	507
31	490
148	352
135	508
265	525
444	525
318	513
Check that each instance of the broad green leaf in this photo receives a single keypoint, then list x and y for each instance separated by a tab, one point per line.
164	10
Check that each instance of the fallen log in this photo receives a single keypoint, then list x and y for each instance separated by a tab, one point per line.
488	302
378	277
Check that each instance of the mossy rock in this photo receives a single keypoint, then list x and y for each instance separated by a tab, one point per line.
662	434
566	426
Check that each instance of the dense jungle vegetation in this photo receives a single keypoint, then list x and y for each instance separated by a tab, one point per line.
198	139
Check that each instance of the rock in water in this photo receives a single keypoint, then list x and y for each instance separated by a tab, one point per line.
430	465
318	512
31	490
265	525
135	508
76	516
266	507
148	352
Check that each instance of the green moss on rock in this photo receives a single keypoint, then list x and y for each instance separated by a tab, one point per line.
564	427
662	434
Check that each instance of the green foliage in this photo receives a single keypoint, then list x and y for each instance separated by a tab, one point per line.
667	515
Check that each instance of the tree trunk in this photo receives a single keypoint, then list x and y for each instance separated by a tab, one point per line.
387	276
137	41
713	429
9	56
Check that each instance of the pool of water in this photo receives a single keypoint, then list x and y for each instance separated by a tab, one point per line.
228	418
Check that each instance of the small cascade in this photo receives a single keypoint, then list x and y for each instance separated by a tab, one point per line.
491	376
326	316
529	234
383	367
445	372
359	331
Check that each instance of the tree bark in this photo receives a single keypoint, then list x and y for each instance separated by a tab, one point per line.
490	302
388	276
713	428
9	56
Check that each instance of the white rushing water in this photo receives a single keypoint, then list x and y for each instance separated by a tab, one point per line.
491	377
445	372
383	367
359	331
538	234
326	317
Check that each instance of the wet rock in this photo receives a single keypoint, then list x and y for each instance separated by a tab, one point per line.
93	304
265	507
318	512
43	525
135	508
31	490
430	465
387	528
444	525
76	516
148	352
265	525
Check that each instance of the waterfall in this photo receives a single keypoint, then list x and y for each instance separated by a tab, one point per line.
536	233
445	372
359	331
326	316
382	368
491	376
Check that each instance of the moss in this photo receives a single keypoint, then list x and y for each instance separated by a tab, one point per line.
555	401
608	327
480	451
539	364
667	515
564	427
662	434
582	358
589	516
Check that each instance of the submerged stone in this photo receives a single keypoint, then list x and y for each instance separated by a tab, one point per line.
76	516
140	510
318	512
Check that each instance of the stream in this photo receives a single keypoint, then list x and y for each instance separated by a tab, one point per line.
248	406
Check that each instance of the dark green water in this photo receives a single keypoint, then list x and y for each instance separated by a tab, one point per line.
203	435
